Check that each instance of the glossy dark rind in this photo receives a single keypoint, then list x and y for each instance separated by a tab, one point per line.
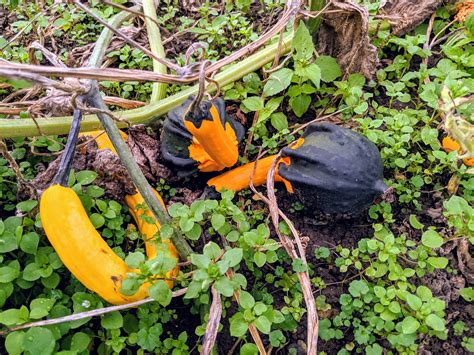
335	170
176	139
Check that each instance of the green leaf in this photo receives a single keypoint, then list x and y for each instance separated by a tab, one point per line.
186	224
278	81
259	258
260	308
224	286
8	242
52	281
438	262
238	326
303	43
263	324
14	343
95	192
134	259
469	23
97	220
410	325
435	322
279	121
148	339
40	307
30	273
233	257
80	342
277	338
201	261
300	104
27	206
195	232
431	239
161	293
414	302
178	210
313	72
358	288
193	290
424	293
330	70
414	222
467	293
39	341
299	266
10	272
361	108
85	177
10	317
246	300
112	320
374	349
249	349
212	250
217	221
253	103
322	253
29	243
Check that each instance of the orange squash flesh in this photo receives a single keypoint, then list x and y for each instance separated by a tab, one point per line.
218	142
239	178
450	144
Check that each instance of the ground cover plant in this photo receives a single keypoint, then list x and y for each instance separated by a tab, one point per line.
394	278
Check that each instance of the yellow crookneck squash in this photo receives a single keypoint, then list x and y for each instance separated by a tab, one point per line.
83	250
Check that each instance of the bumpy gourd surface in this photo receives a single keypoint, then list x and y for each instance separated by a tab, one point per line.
335	170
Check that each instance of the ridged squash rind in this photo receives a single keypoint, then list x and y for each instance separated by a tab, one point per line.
335	170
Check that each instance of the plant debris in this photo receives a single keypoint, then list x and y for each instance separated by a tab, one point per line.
344	34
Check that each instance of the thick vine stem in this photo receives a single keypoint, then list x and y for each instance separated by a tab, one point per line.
105	37
127	159
156	47
10	128
95	100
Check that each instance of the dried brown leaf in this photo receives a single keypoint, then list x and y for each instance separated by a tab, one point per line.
344	35
405	15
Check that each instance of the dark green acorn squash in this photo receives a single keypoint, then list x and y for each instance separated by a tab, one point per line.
177	140
335	170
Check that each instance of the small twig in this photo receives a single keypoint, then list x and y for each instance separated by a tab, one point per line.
39	79
215	314
93	313
441	39
313	321
427	45
50	56
441	31
232	349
